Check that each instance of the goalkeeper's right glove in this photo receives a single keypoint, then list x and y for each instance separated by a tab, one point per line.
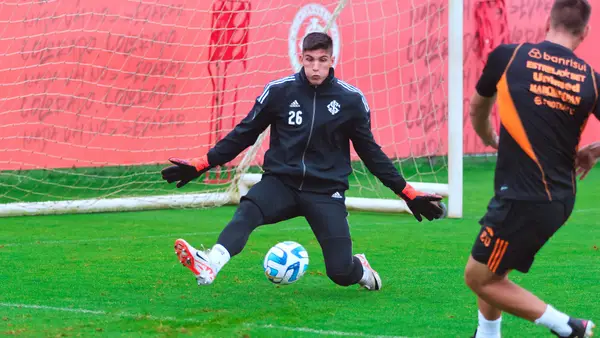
184	171
422	204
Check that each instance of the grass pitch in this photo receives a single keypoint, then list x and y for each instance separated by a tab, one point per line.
116	274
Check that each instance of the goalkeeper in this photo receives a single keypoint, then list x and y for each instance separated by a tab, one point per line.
313	116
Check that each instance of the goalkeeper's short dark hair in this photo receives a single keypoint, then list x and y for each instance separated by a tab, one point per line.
316	41
570	15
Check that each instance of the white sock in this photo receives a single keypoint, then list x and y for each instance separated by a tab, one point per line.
556	321
488	328
219	256
366	276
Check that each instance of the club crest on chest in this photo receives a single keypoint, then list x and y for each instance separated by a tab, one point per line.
333	107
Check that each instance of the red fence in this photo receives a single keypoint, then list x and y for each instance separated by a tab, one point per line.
89	83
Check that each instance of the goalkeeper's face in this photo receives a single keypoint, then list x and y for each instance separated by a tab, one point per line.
316	65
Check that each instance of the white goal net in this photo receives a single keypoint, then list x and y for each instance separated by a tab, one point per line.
97	95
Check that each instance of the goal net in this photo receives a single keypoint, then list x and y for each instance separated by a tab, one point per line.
97	95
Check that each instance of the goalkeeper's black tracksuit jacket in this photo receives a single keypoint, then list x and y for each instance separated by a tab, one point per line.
311	127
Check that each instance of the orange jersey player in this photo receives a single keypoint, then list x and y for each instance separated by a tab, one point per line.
545	96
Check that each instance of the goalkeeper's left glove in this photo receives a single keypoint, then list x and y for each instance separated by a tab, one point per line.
184	171
422	204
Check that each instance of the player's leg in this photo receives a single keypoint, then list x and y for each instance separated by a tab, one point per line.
327	217
512	234
267	202
488	311
503	294
489	320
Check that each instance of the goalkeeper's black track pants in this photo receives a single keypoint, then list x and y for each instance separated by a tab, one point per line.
271	201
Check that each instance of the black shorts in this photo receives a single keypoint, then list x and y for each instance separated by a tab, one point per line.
514	231
326	213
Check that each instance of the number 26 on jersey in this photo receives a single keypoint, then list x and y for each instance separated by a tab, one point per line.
295	118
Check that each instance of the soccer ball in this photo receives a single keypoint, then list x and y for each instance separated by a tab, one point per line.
285	263
444	209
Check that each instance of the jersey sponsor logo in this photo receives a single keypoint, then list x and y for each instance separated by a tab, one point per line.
312	18
545	78
550	85
295	104
337	195
565	62
556	93
333	107
535	53
564	73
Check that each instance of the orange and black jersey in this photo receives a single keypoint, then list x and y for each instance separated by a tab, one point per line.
545	97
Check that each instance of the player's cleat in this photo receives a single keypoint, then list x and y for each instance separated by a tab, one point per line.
373	282
581	328
197	261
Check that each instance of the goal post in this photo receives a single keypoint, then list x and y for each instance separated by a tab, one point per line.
97	95
455	108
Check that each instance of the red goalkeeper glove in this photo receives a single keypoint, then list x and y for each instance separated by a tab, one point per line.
183	171
422	204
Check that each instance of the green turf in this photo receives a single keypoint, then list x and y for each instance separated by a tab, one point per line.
115	274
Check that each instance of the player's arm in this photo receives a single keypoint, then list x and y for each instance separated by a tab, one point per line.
594	149
379	164
481	108
586	159
237	140
484	98
242	136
